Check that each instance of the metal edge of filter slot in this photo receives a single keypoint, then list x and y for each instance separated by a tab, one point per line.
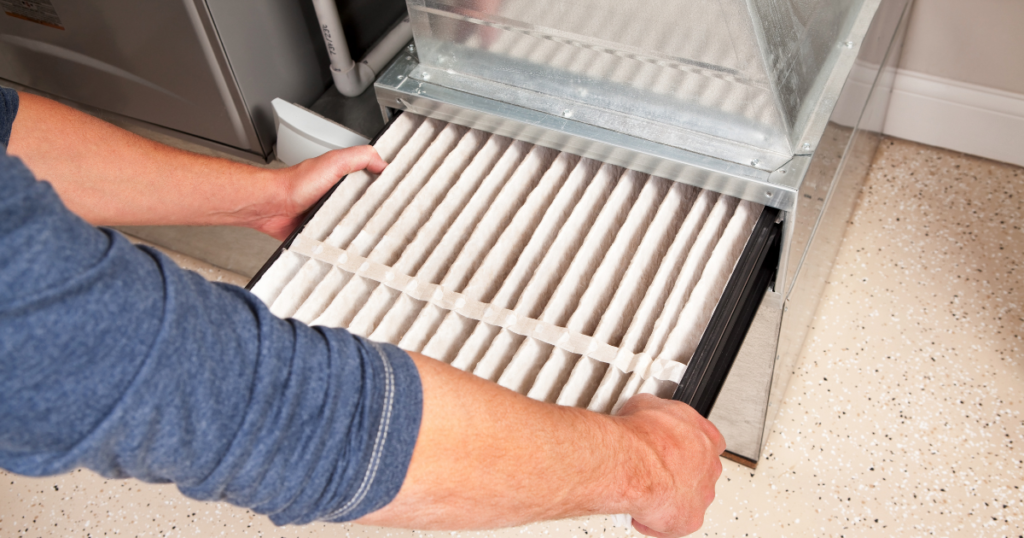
399	89
751	276
731	320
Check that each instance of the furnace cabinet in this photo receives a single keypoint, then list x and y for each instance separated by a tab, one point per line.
774	106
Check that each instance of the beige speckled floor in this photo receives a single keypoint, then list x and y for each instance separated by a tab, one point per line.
903	417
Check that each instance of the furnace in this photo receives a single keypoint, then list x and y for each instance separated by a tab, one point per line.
587	200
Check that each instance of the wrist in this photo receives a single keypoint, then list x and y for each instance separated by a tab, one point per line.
636	469
269	202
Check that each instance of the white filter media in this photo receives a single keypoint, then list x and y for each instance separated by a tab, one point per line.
559	277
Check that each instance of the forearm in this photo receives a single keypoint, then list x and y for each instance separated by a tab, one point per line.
487	457
110	176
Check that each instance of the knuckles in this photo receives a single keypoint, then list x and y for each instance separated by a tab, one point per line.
688	447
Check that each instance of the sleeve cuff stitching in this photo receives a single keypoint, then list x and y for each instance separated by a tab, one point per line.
378	444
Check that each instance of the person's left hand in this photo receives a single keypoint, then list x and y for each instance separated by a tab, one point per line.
303	184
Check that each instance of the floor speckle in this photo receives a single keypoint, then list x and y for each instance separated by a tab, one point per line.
903	417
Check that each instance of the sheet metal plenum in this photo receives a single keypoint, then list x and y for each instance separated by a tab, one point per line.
562	278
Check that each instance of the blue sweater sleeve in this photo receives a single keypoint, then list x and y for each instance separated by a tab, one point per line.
114	359
8	109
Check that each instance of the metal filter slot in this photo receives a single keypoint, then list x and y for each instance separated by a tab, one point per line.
560	277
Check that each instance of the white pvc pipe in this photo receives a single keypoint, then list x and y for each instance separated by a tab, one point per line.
388	47
351	78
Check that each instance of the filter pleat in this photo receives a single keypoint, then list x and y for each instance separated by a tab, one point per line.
457	198
560	254
344	309
654	299
543	237
455	237
278	276
525	265
695	262
565	279
299	288
633	286
601	287
499	261
447	156
484	236
353	220
415	209
451	244
512	240
696	259
353	187
322	295
515	371
584	264
686	331
482	239
540	365
397	325
682	341
595	245
425	325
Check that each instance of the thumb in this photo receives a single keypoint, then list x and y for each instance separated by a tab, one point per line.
313	177
348	160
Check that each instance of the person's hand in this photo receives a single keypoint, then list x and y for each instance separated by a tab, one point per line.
301	185
678	451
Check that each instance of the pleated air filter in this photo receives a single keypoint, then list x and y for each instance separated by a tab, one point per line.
562	278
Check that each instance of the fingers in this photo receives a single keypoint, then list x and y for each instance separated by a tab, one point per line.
642	402
647	531
691	528
328	168
714	435
313	177
686	449
301	185
357	158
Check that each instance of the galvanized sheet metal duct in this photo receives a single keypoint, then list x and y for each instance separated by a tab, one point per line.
727	78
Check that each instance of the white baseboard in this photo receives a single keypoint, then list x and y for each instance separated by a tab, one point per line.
958	116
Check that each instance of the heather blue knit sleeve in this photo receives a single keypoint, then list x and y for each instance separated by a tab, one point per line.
114	359
8	109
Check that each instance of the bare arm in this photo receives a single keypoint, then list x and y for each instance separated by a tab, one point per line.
487	457
110	176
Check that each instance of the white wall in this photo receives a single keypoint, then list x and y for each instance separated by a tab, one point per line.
961	79
976	41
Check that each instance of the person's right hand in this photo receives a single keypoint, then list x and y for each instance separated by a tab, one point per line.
678	465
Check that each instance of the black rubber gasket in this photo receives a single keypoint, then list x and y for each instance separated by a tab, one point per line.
754	272
310	213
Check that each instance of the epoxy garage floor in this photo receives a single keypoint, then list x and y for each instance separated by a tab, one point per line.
903	417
